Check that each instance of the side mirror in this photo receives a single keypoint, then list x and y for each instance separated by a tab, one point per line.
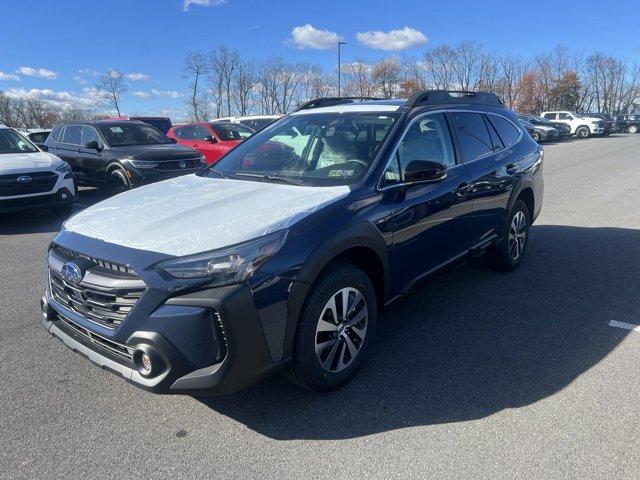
43	147
92	145
210	138
424	171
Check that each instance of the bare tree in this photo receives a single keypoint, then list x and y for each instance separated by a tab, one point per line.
112	87
196	66
439	67
387	76
223	64
244	82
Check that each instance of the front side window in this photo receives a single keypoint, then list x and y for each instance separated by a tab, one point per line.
72	134
565	116
129	134
550	116
310	149
89	134
473	135
231	131
39	137
12	142
427	139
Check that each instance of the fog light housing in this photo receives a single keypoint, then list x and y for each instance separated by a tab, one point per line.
147	361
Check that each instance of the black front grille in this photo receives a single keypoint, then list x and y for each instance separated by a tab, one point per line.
106	294
116	349
177	165
40	182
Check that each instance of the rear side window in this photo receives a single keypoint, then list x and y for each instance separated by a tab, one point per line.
473	135
549	116
72	134
508	133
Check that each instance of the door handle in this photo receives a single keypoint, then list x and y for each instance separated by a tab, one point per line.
512	169
195	145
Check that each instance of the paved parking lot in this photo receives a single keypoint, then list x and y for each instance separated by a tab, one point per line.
476	375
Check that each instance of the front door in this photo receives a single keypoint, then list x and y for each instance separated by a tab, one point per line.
429	220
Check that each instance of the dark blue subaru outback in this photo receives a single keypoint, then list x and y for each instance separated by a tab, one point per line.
280	256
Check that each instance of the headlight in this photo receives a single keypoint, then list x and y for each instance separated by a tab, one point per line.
229	265
64	168
142	164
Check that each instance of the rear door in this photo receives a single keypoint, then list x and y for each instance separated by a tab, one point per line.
429	220
488	143
68	148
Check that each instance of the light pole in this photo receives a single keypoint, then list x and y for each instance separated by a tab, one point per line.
339	67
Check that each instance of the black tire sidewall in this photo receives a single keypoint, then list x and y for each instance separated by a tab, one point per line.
306	368
117	181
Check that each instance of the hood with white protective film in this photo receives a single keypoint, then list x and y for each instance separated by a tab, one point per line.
193	214
28	162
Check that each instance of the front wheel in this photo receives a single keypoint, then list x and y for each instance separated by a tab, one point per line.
536	136
117	182
508	253
583	132
335	330
633	129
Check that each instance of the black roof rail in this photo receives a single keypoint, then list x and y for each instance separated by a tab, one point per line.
438	97
331	101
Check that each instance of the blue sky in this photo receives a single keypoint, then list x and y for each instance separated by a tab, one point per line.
56	47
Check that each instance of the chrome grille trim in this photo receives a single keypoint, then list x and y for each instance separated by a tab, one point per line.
70	254
222	337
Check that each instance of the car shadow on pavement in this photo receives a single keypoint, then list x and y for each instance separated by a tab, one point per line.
470	343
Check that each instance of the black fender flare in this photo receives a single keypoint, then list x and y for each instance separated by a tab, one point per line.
363	234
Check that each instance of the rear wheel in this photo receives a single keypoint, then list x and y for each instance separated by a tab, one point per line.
633	129
508	253
335	330
583	132
536	136
117	182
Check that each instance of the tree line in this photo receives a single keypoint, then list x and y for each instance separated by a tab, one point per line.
224	82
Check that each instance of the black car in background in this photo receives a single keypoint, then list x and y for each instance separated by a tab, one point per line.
563	129
609	122
540	133
120	154
628	123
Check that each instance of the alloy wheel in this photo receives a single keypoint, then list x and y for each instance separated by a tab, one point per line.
341	329
517	235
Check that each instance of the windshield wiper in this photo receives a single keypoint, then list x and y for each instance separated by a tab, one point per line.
220	174
270	178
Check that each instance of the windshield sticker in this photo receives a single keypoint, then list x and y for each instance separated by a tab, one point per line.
341	173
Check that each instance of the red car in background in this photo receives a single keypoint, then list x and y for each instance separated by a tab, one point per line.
212	139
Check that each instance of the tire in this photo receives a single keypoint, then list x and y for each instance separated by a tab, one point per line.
583	132
633	129
117	181
328	353
536	136
504	255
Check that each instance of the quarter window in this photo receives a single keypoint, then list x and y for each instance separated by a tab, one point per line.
72	134
508	133
473	135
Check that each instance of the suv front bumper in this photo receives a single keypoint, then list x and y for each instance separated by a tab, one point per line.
193	353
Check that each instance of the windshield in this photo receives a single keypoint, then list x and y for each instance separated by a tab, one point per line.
231	131
162	124
12	142
310	149
133	133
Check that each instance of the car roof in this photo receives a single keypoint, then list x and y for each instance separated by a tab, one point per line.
365	106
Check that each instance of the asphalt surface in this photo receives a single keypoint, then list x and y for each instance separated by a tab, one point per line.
476	375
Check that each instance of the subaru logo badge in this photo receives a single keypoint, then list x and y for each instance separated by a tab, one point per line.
24	179
182	164
72	273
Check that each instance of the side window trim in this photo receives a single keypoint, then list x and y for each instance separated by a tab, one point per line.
394	152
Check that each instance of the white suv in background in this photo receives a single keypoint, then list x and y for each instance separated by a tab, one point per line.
31	178
581	127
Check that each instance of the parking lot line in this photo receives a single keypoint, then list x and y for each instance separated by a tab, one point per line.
626	326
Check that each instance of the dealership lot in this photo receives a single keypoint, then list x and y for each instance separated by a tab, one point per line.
537	383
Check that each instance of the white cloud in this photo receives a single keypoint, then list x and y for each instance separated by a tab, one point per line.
9	76
202	3
393	40
88	72
307	36
57	98
80	80
157	94
37	72
137	77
